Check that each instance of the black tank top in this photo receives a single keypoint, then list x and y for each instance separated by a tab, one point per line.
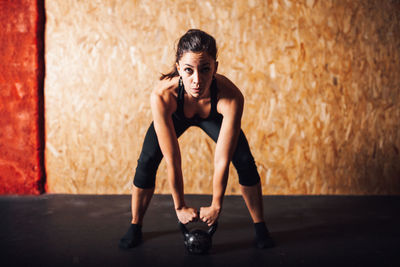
196	118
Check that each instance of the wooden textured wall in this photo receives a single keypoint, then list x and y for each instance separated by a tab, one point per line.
320	79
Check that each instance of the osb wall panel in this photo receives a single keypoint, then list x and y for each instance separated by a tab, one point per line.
320	78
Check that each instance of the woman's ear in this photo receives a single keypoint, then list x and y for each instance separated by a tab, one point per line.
178	68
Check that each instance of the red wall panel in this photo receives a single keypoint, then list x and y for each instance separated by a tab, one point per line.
21	96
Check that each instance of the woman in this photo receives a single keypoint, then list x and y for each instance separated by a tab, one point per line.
193	94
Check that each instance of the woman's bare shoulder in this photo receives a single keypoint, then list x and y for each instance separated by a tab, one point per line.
167	86
165	93
227	89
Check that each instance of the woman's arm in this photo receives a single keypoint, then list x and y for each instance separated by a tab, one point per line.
230	105
163	105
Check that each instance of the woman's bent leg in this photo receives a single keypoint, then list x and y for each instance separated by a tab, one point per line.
144	183
252	196
243	160
141	198
145	175
140	201
249	180
143	189
250	186
146	170
149	160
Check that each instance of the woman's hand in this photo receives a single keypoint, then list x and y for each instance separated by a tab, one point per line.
186	215
209	215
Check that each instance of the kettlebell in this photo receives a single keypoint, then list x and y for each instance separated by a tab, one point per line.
198	241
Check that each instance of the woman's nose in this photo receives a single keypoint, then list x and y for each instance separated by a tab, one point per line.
196	77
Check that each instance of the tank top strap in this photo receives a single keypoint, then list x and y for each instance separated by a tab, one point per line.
181	95
214	100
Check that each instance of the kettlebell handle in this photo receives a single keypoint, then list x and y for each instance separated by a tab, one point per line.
183	228
210	231
213	228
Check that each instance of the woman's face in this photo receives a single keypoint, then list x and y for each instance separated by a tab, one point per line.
197	71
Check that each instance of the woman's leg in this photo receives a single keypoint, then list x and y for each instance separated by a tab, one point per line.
145	175
242	159
141	198
249	180
144	183
140	201
252	196
143	188
250	185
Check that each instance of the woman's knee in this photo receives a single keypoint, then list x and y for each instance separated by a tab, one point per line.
144	181
246	168
145	175
146	169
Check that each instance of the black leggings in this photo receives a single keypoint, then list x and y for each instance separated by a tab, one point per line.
151	154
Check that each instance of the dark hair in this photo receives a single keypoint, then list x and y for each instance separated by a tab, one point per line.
196	41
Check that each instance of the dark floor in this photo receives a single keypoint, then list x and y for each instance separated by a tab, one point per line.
81	230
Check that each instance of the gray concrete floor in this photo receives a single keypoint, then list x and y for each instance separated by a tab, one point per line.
84	230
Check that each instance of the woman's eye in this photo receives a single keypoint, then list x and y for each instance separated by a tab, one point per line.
205	70
188	70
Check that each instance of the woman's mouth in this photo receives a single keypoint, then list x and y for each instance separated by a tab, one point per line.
196	90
